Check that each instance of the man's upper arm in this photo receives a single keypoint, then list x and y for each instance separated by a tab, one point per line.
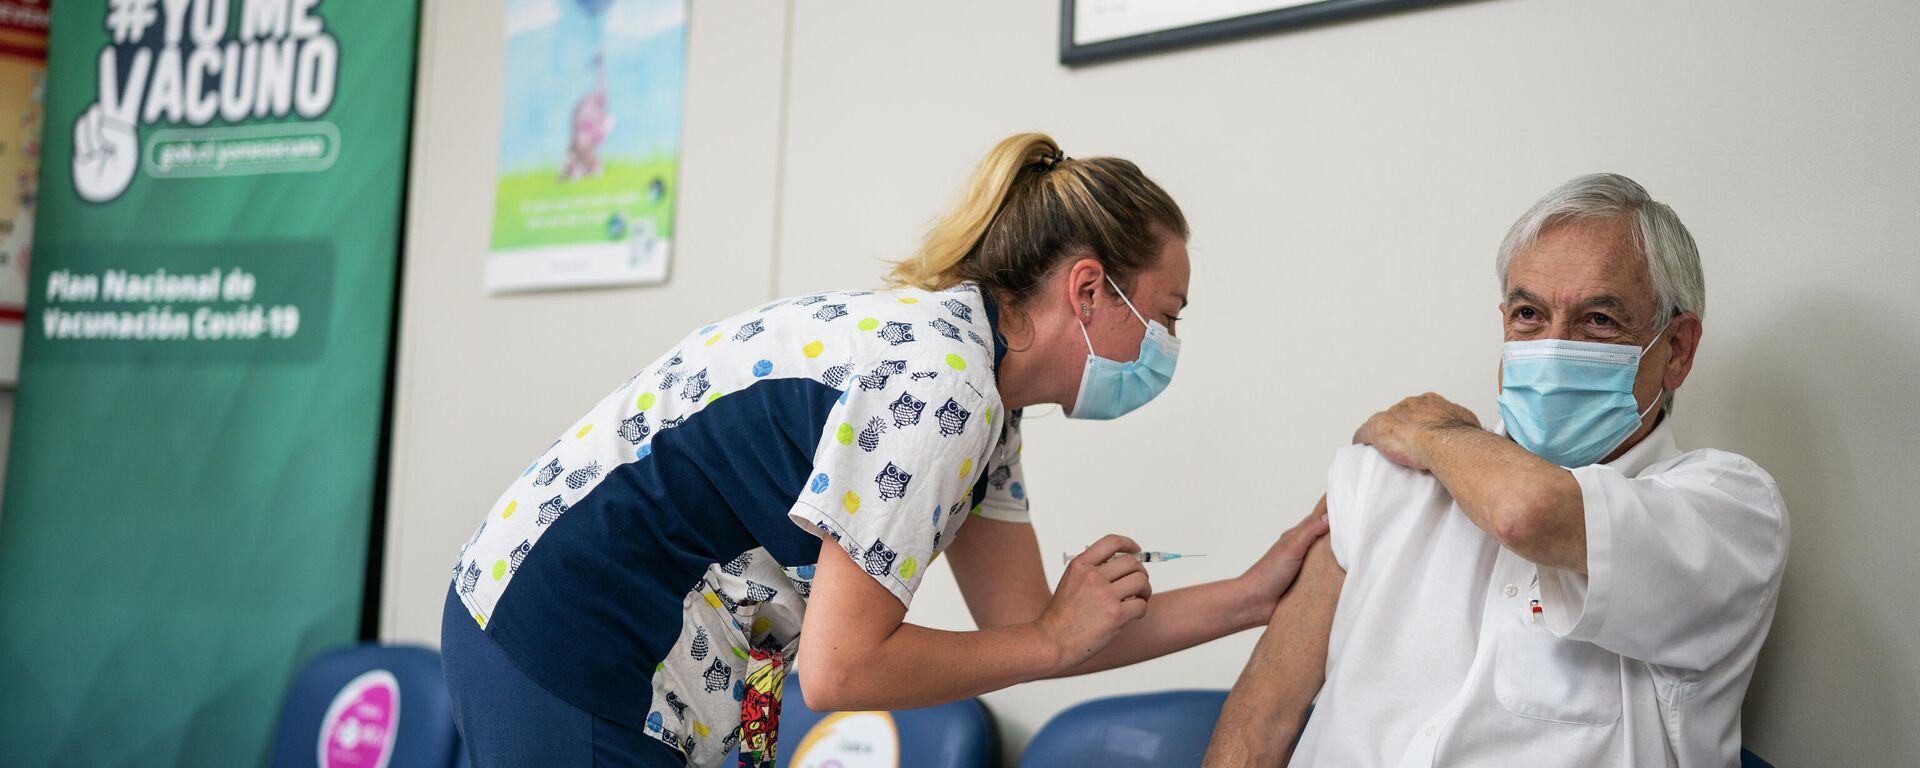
1347	480
1269	702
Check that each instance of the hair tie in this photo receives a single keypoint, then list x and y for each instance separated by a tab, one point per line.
1048	161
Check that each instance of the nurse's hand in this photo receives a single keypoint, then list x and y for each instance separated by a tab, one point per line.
1397	432
1098	596
1274	572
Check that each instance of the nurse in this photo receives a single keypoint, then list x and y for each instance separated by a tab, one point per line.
775	487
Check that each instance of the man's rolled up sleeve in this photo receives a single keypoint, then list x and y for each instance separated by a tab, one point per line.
1679	562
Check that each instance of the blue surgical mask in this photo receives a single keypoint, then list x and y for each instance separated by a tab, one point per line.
1571	402
1110	389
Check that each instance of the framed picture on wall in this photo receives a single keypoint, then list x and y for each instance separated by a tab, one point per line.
1098	30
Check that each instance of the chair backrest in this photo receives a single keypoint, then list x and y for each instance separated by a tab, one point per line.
956	735
1149	729
368	706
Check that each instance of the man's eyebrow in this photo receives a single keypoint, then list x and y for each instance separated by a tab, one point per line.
1611	302
1523	295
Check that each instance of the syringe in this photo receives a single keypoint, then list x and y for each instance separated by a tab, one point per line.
1145	557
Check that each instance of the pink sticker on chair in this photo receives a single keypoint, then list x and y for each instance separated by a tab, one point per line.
360	723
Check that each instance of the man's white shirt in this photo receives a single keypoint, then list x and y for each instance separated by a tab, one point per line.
1437	657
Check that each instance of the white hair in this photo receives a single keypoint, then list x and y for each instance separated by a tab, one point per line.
1673	261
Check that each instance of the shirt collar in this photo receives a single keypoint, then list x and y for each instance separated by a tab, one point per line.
1657	446
993	329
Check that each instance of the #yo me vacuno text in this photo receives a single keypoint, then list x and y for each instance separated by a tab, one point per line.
218	66
160	319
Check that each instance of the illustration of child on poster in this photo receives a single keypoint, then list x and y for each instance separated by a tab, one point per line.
589	143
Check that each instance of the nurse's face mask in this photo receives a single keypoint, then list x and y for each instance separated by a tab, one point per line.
1110	389
1571	402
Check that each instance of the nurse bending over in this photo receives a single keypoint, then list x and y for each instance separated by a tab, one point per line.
775	486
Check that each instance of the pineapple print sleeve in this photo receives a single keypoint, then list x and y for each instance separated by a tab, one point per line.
895	469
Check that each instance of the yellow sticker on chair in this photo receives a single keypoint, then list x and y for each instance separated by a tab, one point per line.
851	740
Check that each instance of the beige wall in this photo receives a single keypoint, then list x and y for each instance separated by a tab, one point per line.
1346	186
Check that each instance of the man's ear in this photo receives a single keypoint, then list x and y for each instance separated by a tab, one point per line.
1682	343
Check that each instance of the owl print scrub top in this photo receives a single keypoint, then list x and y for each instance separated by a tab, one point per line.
671	533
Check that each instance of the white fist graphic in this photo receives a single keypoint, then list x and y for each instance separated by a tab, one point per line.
105	152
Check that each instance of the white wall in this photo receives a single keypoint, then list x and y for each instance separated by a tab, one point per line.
1346	186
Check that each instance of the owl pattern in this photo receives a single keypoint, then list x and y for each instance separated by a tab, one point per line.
666	424
548	473
696	386
953	418
999	476
893	482
944	328
671	363
518	554
831	312
718	676
551	510
906	410
878	559
976	338
808	301
896	333
959	309
470	578
924	375
635	428
679	707
750	330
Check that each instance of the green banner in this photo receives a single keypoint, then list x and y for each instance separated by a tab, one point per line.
197	435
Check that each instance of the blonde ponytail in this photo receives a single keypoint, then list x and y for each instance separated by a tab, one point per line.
936	266
1028	207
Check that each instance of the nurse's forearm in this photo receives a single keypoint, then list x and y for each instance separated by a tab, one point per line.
1530	505
920	667
857	652
1180	619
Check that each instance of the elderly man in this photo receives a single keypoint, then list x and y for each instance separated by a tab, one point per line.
1566	589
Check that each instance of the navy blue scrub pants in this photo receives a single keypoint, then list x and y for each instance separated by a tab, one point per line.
507	719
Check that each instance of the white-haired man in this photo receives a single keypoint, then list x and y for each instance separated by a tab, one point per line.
1566	589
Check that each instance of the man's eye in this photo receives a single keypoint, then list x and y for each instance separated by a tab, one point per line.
1602	320
1526	314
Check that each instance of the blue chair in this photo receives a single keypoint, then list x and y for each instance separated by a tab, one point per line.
1150	729
1140	731
956	735
346	700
